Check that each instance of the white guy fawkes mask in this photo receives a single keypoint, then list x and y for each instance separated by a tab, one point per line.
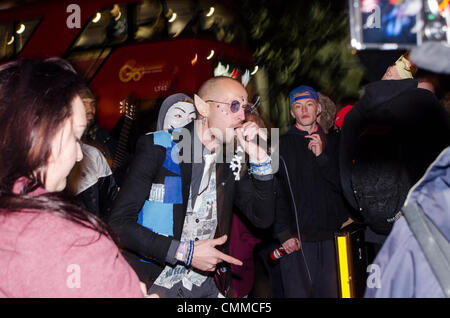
179	115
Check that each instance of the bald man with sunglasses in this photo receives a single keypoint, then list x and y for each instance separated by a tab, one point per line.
173	213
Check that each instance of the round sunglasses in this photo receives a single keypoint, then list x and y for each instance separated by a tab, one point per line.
236	105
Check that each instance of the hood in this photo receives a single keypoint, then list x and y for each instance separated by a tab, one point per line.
380	92
432	193
375	62
167	103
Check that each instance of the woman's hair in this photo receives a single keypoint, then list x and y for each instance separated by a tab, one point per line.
35	100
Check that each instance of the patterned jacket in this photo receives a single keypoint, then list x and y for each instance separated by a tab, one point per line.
150	235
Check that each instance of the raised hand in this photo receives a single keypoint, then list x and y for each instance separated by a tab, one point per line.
315	144
248	132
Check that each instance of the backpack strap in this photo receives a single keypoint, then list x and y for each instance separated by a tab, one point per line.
434	245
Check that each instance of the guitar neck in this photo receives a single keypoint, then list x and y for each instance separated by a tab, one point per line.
121	149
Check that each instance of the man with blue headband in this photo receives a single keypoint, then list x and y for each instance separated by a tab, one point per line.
310	206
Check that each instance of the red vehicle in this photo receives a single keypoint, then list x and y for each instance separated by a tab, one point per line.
149	49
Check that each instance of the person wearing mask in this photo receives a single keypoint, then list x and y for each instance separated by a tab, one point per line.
186	194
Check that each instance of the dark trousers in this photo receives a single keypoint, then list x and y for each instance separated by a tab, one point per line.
320	259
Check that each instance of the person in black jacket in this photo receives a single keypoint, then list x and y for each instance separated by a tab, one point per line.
310	205
388	139
173	212
92	182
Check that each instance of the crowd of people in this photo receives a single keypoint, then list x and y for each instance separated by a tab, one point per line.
201	202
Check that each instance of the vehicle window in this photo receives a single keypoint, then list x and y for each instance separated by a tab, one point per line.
107	27
14	36
150	20
87	62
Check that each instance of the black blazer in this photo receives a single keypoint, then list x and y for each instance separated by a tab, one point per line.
254	197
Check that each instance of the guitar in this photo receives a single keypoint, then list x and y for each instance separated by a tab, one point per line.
128	109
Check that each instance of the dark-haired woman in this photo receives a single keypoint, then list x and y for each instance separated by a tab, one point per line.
49	246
